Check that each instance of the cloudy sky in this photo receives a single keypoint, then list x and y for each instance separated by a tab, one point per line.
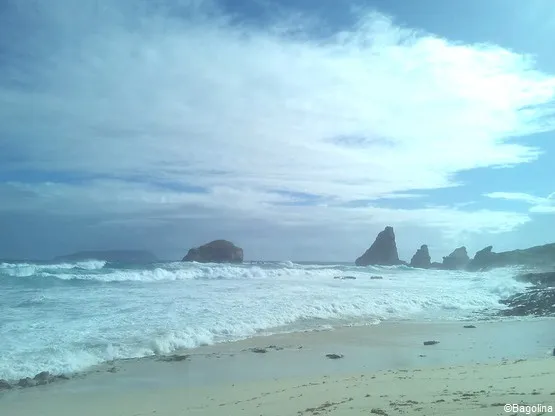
296	129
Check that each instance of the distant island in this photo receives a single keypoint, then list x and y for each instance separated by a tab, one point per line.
119	256
217	251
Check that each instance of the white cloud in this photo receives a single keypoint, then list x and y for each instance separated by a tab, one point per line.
539	205
375	111
116	198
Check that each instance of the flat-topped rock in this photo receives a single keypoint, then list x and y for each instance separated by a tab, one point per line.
457	260
217	251
421	258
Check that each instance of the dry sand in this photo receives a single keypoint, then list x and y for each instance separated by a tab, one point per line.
386	370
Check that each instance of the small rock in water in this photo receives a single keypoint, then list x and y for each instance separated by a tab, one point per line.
259	350
431	342
345	277
376	277
4	385
334	356
175	357
44	375
112	370
27	382
554	352
469	326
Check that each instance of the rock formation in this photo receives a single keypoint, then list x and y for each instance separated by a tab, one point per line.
382	252
218	251
421	258
541	279
457	260
539	256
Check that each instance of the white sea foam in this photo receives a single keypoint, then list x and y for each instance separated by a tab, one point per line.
30	269
85	313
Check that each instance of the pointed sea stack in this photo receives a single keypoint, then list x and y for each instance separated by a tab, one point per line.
217	251
482	259
382	252
421	258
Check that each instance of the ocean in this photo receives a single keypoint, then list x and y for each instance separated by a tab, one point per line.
65	318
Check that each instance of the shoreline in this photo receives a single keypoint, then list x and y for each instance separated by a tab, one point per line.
267	362
269	338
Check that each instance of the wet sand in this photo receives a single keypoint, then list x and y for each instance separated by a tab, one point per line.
384	368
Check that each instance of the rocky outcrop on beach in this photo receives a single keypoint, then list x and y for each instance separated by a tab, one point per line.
218	251
538	300
382	252
40	379
533	302
542	279
457	260
119	256
538	256
421	258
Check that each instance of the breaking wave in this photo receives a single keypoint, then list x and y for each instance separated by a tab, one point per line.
67	317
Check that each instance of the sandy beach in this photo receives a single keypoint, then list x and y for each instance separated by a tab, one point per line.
385	370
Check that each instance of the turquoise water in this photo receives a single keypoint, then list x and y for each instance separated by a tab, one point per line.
68	317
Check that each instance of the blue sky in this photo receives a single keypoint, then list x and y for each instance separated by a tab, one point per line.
297	130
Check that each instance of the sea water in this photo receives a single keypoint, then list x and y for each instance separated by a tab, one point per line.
68	317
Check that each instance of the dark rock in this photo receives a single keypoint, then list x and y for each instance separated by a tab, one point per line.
469	326
345	277
112	370
4	385
121	256
554	352
259	350
27	382
536	301
173	358
481	259
421	258
334	356
544	279
43	376
382	252
218	251
40	379
457	260
537	256
376	277
431	342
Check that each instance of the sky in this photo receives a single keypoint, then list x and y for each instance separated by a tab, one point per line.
296	129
